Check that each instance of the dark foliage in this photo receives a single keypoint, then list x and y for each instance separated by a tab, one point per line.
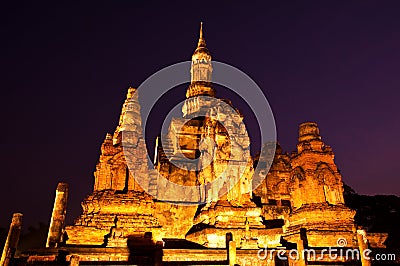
379	213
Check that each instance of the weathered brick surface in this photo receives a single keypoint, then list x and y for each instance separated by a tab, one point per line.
300	201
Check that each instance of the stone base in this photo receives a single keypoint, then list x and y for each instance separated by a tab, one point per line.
324	225
222	214
246	239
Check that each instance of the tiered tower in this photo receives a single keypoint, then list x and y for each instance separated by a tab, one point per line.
118	207
178	153
316	190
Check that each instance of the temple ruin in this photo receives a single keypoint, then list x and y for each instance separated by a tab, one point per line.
299	204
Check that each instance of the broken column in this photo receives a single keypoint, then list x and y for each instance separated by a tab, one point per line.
232	253
363	246
57	222
300	253
12	239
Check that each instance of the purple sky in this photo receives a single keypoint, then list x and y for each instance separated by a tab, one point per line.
66	67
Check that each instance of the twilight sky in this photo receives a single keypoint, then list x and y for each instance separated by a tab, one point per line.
65	69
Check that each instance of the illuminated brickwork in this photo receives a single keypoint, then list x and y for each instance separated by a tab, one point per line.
300	202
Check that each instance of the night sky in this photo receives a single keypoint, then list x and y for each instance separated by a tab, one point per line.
65	70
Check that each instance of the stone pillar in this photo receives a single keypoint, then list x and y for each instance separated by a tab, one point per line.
362	246
232	253
74	260
158	256
301	254
12	240
57	222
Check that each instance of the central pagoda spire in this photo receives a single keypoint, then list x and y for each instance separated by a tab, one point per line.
202	42
201	70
